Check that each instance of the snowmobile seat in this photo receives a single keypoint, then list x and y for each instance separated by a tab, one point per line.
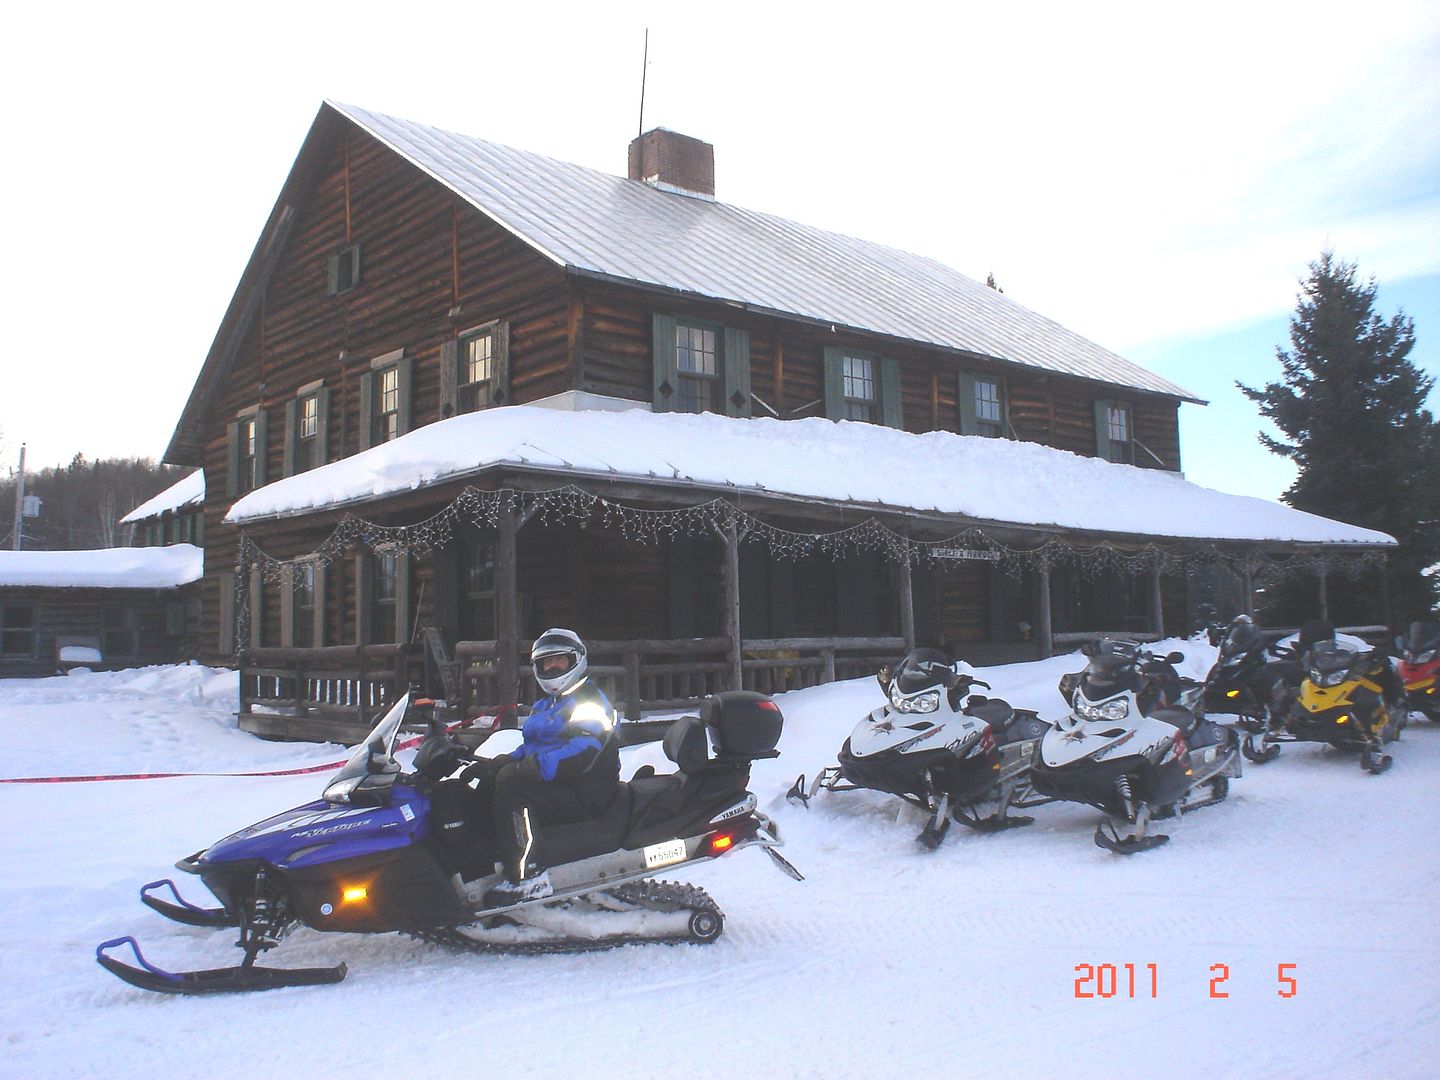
571	840
993	711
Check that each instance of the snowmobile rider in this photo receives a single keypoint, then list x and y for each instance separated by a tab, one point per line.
567	769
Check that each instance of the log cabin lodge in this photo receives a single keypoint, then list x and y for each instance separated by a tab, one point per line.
445	410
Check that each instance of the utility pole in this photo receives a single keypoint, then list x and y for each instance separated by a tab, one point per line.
20	498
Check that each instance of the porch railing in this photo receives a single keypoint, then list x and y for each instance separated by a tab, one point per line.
325	693
655	674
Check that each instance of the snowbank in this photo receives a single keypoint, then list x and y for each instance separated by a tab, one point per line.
850	462
105	568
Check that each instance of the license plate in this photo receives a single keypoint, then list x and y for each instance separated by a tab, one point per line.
671	851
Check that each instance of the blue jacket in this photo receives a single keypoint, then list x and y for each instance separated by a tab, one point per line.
572	735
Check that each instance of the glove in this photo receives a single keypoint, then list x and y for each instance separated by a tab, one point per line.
439	756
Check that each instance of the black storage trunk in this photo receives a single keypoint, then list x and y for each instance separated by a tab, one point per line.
743	723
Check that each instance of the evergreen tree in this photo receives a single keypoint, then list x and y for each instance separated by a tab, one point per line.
1350	406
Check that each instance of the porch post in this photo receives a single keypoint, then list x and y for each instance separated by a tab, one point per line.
1385	595
1047	638
507	604
1247	581
907	604
1324	594
730	538
1157	608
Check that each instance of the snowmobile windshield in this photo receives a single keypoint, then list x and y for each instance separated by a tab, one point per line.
375	756
1423	637
1242	637
1107	674
922	669
1329	658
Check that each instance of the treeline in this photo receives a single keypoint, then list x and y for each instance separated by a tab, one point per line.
81	504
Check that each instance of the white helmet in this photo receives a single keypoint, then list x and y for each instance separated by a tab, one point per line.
558	657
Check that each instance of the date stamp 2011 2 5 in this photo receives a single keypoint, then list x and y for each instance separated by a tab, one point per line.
1143	981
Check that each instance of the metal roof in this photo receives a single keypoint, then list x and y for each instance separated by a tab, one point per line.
592	222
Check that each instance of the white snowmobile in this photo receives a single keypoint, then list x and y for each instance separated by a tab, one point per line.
1133	747
952	753
373	856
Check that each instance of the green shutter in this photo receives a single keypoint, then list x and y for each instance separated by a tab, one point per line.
404	379
834	383
966	391
322	426
737	372
333	286
364	589
292	413
367	410
287	609
318	639
663	342
1102	429
226	642
262	446
890	411
449	379
232	474
500	363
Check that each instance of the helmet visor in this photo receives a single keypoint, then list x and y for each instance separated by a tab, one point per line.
553	665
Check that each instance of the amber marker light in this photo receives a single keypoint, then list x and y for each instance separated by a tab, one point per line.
353	894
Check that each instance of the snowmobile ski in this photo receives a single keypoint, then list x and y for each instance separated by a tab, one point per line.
244	977
182	911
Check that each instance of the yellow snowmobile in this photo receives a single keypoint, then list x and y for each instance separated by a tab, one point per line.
1347	699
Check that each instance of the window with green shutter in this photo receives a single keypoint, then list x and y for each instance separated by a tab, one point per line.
700	366
862	386
982	405
385	399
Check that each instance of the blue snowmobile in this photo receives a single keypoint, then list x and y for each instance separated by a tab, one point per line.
372	856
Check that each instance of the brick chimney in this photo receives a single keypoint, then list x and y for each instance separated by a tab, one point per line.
673	162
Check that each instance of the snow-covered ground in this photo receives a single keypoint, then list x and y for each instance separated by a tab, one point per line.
887	961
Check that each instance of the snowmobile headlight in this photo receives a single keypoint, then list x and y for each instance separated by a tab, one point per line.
921	703
1333	678
1424	657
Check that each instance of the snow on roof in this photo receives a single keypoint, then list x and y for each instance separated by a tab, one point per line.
848	462
106	568
594	222
189	489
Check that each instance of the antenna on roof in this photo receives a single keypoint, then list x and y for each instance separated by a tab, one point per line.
644	65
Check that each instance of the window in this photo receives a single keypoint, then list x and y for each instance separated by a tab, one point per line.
385	567
247	439
249	454
697	369
477	590
307	435
119	639
700	367
307	416
17	630
344	269
982	405
477	372
387	406
303	629
1114	432
860	397
384	400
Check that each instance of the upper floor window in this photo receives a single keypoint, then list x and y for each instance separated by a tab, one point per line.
17	630
697	369
860	395
307	419
1114	432
387	405
247	436
307	436
861	386
385	399
477	374
249	455
344	269
700	367
982	405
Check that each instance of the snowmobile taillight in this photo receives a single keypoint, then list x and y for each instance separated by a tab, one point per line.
721	843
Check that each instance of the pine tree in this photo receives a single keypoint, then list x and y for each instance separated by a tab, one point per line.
1351	407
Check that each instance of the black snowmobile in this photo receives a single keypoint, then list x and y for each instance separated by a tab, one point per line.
1243	684
373	856
943	748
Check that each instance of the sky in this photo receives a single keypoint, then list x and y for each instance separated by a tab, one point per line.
1155	178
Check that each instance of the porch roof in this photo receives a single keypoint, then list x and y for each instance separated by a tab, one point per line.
187	491
973	479
106	568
